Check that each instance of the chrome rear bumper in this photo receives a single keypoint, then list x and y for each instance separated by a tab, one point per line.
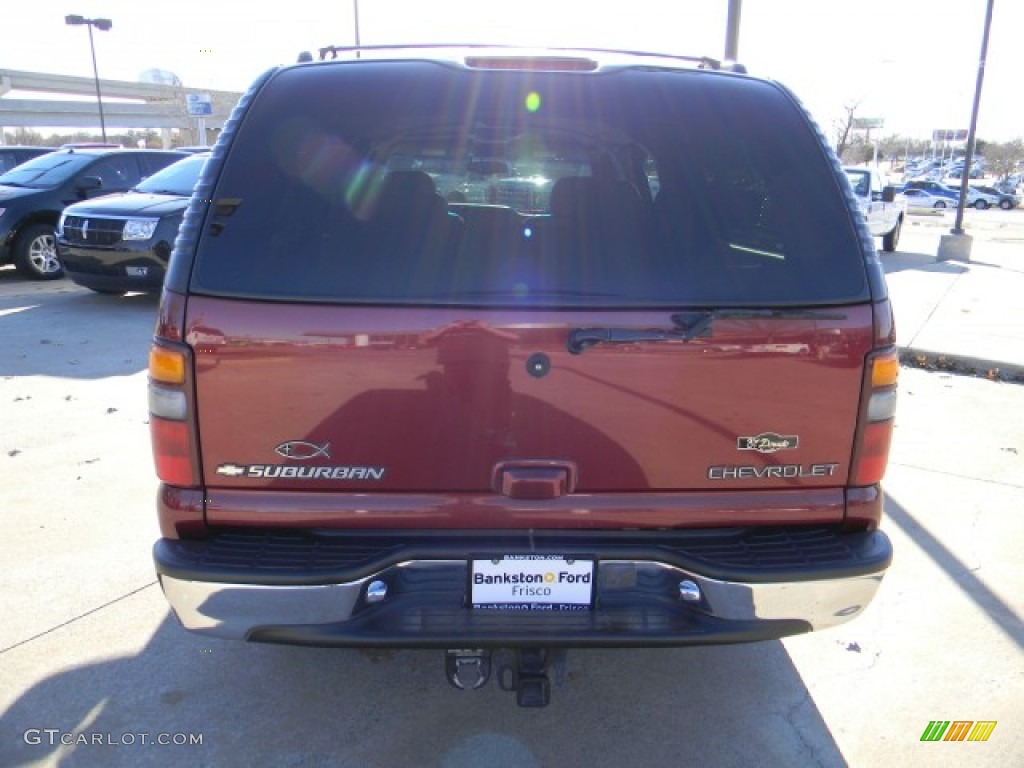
638	602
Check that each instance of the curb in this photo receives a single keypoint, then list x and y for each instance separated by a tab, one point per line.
927	220
994	370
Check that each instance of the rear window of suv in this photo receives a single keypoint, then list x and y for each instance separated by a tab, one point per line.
424	183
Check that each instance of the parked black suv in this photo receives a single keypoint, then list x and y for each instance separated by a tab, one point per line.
33	194
640	397
14	156
120	243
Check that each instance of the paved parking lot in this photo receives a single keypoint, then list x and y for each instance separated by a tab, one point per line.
89	653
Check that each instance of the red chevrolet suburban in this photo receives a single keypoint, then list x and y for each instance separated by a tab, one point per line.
649	406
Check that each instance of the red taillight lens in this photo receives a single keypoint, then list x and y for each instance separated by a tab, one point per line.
874	453
170	426
874	433
172	451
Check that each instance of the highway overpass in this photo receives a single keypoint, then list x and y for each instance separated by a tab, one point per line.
152	105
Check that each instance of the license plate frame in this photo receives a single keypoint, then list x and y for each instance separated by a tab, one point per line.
530	582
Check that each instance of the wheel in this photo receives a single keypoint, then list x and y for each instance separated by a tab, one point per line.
1005	205
35	253
981	205
940	204
890	239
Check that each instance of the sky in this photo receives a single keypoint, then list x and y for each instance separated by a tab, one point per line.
913	63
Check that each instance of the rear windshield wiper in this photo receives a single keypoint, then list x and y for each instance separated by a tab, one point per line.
687	326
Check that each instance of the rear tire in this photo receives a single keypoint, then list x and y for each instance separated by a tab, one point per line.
892	238
35	253
940	204
981	205
1005	205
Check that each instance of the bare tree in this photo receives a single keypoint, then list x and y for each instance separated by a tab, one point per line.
1001	158
844	125
23	137
858	150
896	148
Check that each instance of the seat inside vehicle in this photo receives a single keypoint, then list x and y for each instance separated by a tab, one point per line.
494	249
596	232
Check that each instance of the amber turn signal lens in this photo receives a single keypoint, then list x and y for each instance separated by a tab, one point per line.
885	370
166	365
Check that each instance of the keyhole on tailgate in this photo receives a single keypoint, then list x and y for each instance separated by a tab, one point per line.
538	365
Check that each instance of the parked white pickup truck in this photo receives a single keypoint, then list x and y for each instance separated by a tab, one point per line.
882	207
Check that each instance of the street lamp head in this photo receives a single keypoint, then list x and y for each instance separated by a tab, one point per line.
75	21
102	24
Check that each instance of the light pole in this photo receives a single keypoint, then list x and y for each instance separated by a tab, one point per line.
103	24
957	244
732	30
355	8
958	227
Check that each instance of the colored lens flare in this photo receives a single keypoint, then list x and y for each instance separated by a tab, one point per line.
532	101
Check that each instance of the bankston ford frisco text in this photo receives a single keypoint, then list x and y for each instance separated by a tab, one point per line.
532	579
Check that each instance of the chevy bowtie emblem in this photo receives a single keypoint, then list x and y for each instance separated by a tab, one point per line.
302	450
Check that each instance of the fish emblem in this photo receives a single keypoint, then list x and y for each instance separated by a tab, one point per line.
302	450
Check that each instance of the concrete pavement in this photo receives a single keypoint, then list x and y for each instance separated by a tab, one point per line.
957	315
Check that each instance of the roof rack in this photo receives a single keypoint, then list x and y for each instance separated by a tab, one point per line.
703	62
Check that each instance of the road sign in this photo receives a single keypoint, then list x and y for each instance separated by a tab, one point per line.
199	104
948	134
867	123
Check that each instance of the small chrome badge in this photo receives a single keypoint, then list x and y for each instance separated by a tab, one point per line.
767	442
302	450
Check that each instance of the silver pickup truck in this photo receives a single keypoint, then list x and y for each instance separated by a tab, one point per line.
883	209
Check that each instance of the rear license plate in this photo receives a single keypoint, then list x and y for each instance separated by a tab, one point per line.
531	583
137	271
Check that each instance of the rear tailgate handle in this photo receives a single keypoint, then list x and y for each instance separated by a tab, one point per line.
534	479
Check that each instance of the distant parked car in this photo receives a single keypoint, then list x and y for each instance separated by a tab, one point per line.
882	210
33	194
1005	200
122	242
981	200
1010	184
919	198
11	157
936	189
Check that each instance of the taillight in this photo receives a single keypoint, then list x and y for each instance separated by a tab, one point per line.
169	425
874	432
